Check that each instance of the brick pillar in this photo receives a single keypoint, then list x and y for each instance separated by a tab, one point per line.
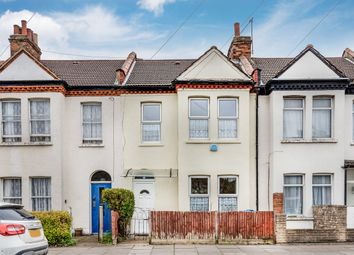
115	230
280	218
278	203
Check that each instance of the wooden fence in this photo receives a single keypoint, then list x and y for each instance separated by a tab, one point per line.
212	226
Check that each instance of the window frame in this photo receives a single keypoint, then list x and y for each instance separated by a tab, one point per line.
45	197
349	181
294	109
236	195
190	99
10	100
236	117
30	120
3	197
142	121
190	177
82	124
323	185
302	185
331	98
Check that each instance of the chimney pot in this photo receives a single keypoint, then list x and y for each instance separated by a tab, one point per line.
237	29
24	27
30	34
16	29
35	38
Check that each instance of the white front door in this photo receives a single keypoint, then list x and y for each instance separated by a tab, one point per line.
144	194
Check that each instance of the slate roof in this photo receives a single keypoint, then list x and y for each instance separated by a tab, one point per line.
271	66
85	72
157	72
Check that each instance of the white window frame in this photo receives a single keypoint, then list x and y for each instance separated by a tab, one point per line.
3	187
228	118
295	185
228	195
198	195
51	190
324	109
30	120
295	109
100	140
198	117
2	120
150	122
323	185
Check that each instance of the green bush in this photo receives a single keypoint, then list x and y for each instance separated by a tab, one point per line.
56	225
122	201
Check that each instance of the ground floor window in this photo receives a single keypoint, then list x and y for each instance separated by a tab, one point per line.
350	187
41	194
293	194
12	190
322	189
199	193
227	193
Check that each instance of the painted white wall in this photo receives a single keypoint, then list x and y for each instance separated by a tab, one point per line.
234	157
24	68
159	157
309	66
28	159
298	223
304	156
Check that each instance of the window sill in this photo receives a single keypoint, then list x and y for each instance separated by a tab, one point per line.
236	141
298	218
352	144
91	145
151	145
324	140
27	144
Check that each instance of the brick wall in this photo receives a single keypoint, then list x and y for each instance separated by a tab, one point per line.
329	225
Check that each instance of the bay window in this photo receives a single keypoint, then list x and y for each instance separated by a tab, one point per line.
12	190
11	120
350	187
198	118
322	118
227	195
322	189
293	194
40	120
92	123
199	193
293	118
151	122
227	117
41	194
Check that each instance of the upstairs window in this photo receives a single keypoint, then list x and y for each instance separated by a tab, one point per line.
293	118
11	121
227	117
151	122
198	118
322	118
12	190
92	123
40	120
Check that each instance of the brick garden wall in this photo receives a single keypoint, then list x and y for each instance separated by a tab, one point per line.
329	225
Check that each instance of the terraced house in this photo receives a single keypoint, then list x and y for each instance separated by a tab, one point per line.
214	133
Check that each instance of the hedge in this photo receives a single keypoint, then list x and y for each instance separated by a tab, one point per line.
57	227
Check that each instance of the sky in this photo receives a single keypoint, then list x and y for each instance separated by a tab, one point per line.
78	29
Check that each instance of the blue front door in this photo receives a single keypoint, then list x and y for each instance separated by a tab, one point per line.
96	195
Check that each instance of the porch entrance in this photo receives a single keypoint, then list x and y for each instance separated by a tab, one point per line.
144	193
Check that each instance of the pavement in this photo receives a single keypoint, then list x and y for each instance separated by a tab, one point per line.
145	249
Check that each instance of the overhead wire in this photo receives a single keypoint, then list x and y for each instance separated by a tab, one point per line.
179	27
315	27
80	55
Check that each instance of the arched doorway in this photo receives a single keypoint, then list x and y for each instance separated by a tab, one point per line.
100	180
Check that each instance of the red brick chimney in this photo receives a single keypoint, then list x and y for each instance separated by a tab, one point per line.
124	70
24	38
240	45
